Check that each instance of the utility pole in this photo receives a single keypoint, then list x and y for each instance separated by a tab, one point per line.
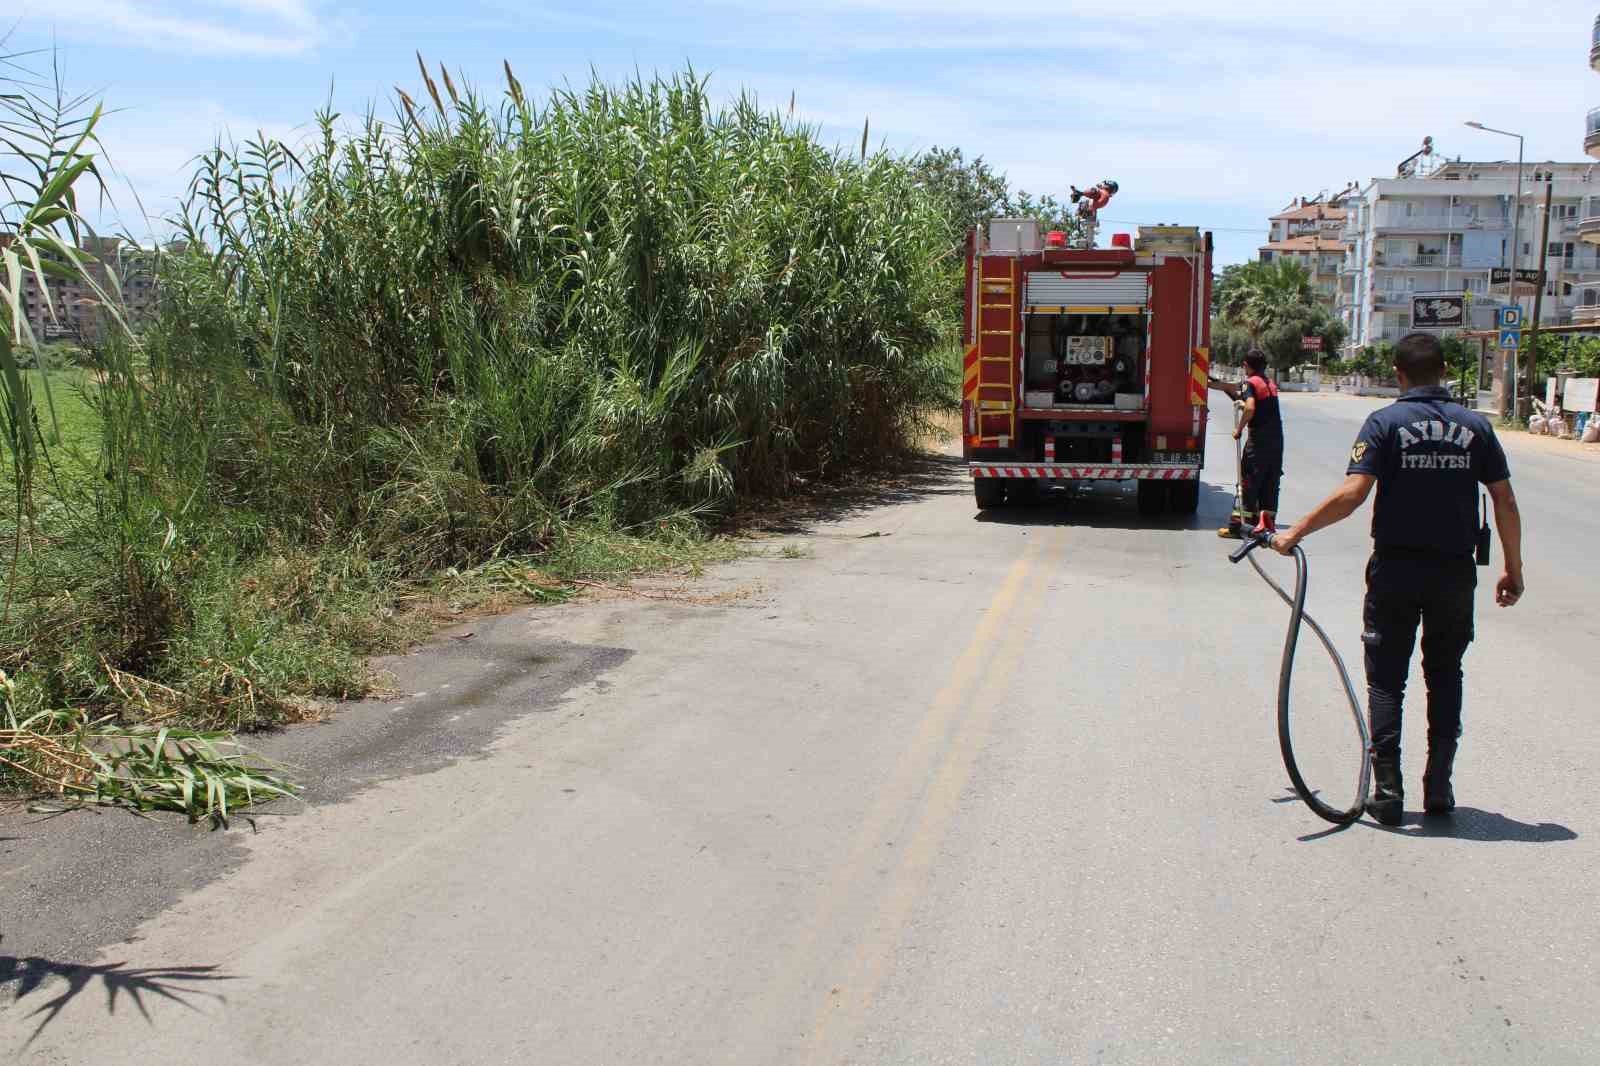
1508	360
1525	400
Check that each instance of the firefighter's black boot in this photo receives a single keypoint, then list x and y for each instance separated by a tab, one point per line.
1438	797
1388	793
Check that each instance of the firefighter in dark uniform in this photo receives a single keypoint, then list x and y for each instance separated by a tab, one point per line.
1262	472
1428	457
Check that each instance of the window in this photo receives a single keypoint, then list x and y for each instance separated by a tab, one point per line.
1591	297
1476	285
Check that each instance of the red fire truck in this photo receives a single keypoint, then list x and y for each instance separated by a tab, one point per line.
1086	364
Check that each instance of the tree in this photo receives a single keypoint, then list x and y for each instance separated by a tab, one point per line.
1273	307
972	193
1264	297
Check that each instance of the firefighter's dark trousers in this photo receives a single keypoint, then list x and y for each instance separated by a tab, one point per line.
1403	590
1263	472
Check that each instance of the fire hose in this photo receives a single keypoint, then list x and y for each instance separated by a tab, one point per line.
1298	616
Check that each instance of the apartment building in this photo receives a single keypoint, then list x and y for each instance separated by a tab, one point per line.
1311	232
1587	313
1442	231
78	316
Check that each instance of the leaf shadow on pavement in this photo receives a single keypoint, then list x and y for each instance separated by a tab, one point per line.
907	479
22	977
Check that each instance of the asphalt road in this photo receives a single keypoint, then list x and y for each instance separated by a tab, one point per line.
938	790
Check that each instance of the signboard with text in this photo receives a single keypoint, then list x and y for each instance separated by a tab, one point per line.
1311	344
1438	312
1525	278
1582	394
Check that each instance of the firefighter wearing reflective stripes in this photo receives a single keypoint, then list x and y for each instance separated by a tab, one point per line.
1262	472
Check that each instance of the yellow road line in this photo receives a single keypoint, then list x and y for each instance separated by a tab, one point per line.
847	1004
896	800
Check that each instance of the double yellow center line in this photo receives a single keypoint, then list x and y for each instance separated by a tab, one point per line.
923	793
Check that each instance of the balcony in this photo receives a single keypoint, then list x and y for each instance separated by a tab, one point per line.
1418	260
1586	316
1594	46
1591	135
1589	229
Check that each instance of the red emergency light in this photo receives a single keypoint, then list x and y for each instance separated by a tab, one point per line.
1122	240
1055	239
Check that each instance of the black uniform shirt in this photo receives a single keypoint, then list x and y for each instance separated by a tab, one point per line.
1266	426
1429	455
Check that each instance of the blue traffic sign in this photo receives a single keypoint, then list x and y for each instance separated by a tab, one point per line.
1509	318
1510	339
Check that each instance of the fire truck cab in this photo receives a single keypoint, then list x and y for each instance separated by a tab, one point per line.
1086	364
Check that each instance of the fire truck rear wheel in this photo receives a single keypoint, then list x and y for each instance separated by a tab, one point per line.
1185	497
989	492
1153	497
1022	491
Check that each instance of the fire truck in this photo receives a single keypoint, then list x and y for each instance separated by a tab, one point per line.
1086	364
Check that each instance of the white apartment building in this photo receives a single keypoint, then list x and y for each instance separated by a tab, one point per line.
1310	231
1441	232
1587	313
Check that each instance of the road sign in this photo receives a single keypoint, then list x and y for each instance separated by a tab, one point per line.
1510	339
1311	344
1509	318
1437	312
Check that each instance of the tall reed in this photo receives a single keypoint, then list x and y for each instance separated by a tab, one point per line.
451	332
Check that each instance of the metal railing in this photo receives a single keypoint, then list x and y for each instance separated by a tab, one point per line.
1440	223
1425	260
1591	132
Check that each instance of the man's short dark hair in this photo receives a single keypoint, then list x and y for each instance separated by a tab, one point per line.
1420	357
1256	361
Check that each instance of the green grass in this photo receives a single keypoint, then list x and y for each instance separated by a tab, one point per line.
76	424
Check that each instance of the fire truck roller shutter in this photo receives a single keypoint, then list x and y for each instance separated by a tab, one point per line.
1063	291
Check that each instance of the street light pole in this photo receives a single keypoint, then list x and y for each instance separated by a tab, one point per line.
1508	361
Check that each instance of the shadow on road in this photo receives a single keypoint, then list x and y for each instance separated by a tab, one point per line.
909	479
1111	505
1467	823
23	977
1470	823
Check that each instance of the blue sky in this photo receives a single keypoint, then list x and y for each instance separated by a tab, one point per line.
1208	112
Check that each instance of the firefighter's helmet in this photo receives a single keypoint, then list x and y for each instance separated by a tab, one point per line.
1109	184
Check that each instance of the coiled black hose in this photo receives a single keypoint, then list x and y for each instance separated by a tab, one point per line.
1297	615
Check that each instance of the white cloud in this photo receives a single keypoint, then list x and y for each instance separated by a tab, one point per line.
259	27
1225	110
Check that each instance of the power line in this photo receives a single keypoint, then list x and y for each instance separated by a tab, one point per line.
1214	229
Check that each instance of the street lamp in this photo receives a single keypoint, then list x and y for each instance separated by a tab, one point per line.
1508	400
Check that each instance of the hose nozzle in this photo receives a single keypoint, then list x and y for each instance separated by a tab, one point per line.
1251	543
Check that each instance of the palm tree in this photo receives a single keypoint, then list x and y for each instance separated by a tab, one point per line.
1259	297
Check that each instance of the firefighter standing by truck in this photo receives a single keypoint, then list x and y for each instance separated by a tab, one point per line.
1262	472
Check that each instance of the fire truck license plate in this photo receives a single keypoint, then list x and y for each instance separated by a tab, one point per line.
1187	458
